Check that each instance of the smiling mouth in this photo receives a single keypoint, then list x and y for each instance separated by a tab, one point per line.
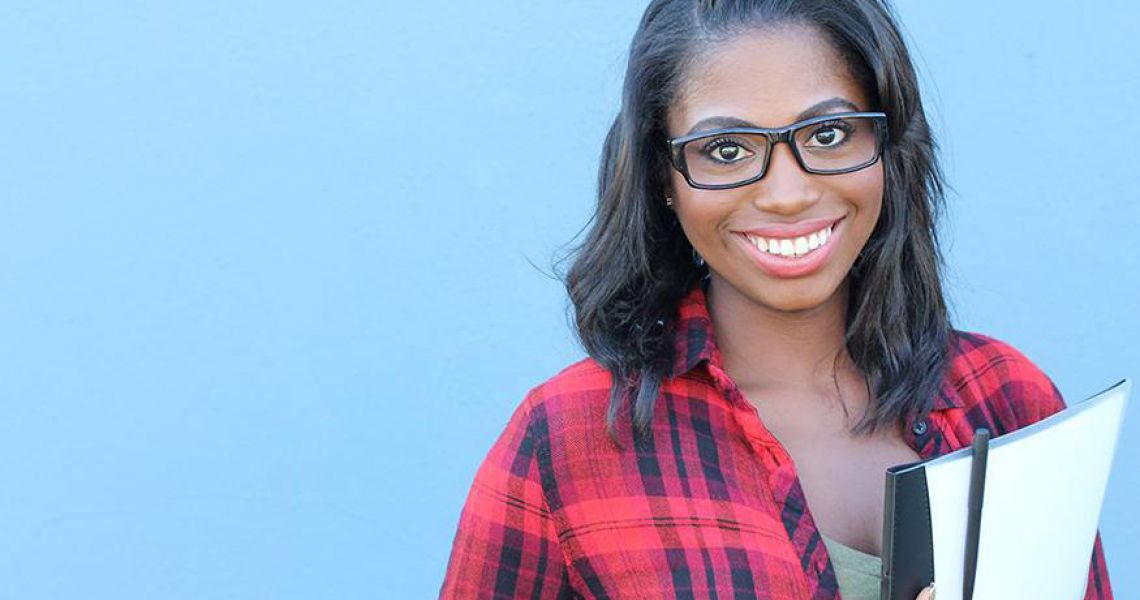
796	246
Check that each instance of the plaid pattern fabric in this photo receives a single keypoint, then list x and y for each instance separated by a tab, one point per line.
708	505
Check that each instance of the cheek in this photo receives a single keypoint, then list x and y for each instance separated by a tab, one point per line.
866	190
700	220
701	211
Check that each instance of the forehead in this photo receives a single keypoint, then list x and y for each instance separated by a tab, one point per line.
766	77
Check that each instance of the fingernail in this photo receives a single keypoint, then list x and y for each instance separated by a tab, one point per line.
931	590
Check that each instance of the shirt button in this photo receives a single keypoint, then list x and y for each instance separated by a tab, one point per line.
920	427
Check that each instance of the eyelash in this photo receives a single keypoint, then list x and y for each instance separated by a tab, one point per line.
840	124
718	142
836	124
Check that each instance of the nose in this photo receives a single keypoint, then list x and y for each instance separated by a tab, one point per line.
785	188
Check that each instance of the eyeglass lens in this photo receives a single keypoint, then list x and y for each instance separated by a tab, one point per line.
833	145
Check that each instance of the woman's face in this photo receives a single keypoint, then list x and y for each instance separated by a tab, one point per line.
772	79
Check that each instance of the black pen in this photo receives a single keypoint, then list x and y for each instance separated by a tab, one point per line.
974	517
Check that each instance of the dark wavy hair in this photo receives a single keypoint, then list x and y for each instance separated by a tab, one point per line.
635	264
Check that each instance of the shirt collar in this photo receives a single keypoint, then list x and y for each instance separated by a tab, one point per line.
694	342
693	336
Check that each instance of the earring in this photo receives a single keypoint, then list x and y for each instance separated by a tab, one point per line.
668	201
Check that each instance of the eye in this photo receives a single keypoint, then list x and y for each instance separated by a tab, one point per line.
725	151
830	134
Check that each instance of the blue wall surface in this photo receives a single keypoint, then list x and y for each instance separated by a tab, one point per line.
272	274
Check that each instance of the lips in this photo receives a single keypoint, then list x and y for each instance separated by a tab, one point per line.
785	267
792	230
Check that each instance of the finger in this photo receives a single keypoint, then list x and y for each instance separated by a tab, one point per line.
927	593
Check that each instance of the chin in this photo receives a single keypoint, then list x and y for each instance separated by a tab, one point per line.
794	298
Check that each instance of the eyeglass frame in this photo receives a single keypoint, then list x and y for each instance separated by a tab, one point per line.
776	135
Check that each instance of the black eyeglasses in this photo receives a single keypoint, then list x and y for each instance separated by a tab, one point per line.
736	156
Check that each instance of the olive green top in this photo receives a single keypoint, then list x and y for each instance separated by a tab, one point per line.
858	573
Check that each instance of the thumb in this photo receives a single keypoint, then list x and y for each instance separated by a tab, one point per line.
927	593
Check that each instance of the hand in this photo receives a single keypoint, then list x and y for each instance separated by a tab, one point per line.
927	593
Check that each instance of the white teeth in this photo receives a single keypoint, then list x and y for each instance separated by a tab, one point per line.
793	247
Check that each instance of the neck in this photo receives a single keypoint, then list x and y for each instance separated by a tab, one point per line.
763	349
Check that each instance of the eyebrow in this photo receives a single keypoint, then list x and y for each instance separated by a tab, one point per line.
816	109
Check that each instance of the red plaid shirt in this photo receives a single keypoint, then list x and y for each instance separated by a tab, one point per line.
709	506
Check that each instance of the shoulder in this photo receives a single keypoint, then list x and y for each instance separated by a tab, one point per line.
550	415
998	383
585	377
579	391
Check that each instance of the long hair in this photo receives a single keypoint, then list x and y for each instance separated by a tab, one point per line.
636	264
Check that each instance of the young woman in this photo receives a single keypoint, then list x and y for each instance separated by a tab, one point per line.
760	298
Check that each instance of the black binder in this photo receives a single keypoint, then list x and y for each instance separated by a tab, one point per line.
907	502
908	546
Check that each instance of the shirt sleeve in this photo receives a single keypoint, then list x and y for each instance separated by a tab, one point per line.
1098	587
506	545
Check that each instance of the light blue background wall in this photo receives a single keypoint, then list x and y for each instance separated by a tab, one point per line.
266	292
